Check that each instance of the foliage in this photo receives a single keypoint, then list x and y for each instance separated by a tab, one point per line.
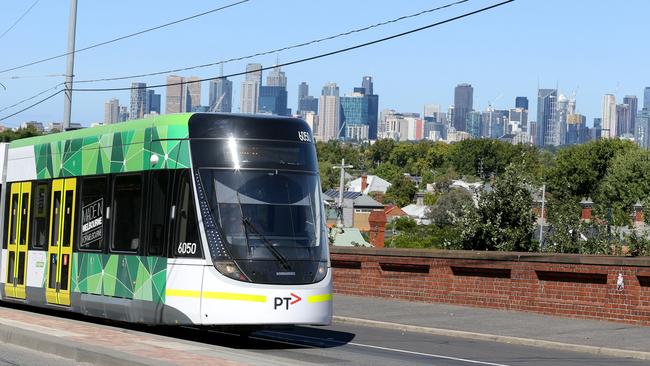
503	219
403	223
426	236
21	133
450	207
638	245
401	193
430	199
329	177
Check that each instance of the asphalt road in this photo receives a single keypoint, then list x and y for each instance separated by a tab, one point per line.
358	345
18	356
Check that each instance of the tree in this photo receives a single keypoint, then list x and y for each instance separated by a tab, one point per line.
401	192
21	133
450	207
503	219
329	177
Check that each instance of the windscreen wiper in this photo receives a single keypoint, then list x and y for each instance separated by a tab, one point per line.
276	253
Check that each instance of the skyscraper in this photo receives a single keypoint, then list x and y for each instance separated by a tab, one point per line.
138	100
273	100
111	111
175	100
153	102
646	98
366	84
276	78
193	99
330	113
354	114
562	113
521	102
250	89
608	117
463	104
624	120
546	117
221	95
633	102
642	128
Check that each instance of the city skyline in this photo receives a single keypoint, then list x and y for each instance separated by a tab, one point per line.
411	74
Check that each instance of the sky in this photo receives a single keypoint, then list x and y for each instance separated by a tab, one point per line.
590	47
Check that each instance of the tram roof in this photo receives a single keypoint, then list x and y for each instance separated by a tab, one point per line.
179	119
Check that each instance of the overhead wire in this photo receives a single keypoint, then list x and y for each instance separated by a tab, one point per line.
322	55
19	19
281	49
126	36
310	58
32	97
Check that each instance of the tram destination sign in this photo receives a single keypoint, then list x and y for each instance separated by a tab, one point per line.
92	221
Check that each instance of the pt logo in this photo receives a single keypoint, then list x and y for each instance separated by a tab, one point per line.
284	302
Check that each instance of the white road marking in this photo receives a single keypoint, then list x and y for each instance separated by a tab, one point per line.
476	362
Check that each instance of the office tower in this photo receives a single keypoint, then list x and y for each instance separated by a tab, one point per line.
474	124
153	102
608	121
330	113
111	111
521	102
306	102
597	130
431	110
276	78
463	104
250	89
561	114
366	84
273	100
646	98
494	123
624	120
633	102
175	100
354	115
124	113
193	97
303	92
576	129
138	100
518	120
642	128
546	117
221	95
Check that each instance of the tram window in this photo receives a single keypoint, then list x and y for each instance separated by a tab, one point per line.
40	214
14	216
24	217
56	202
187	243
158	211
127	209
5	241
92	214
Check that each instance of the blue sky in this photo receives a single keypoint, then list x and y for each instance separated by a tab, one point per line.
591	47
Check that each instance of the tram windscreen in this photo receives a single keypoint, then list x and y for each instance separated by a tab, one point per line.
258	208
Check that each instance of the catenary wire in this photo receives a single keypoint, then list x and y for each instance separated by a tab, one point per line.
19	19
287	63
32	97
286	48
322	55
126	36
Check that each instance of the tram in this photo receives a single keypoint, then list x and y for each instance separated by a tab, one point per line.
196	218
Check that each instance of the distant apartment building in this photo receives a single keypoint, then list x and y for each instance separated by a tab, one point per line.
250	89
138	101
608	117
111	111
330	113
183	94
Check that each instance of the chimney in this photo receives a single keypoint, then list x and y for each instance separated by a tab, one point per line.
377	221
364	183
638	213
586	205
419	199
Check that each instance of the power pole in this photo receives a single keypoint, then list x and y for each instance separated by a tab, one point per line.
339	220
69	73
541	215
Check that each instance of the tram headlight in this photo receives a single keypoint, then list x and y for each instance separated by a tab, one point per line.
230	269
321	272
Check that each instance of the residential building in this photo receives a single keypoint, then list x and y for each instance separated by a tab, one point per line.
330	113
642	128
138	100
176	98
624	127
111	111
633	102
608	122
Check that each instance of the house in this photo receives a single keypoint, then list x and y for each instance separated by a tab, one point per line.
418	211
369	183
356	208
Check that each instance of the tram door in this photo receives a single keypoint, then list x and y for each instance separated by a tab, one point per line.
59	253
19	205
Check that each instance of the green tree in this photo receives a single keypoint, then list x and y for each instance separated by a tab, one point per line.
450	207
388	172
21	133
503	219
401	192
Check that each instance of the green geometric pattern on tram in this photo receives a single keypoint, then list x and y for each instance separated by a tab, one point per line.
127	150
125	276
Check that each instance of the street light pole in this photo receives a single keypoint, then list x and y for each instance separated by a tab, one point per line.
69	74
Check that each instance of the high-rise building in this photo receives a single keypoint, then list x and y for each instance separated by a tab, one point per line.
608	122
633	102
576	129
273	100
221	95
306	102
153	102
366	90
303	92
175	100
521	102
546	117
597	130
250	89
474	124
366	84
463	104
124	113
138	100
111	111
330	113
646	98
642	128
561	115
518	120
354	115
276	78
193	99
624	126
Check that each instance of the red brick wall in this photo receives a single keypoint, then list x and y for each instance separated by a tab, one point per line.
566	285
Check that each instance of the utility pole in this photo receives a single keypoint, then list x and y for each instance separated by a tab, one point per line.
339	220
69	73
541	215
